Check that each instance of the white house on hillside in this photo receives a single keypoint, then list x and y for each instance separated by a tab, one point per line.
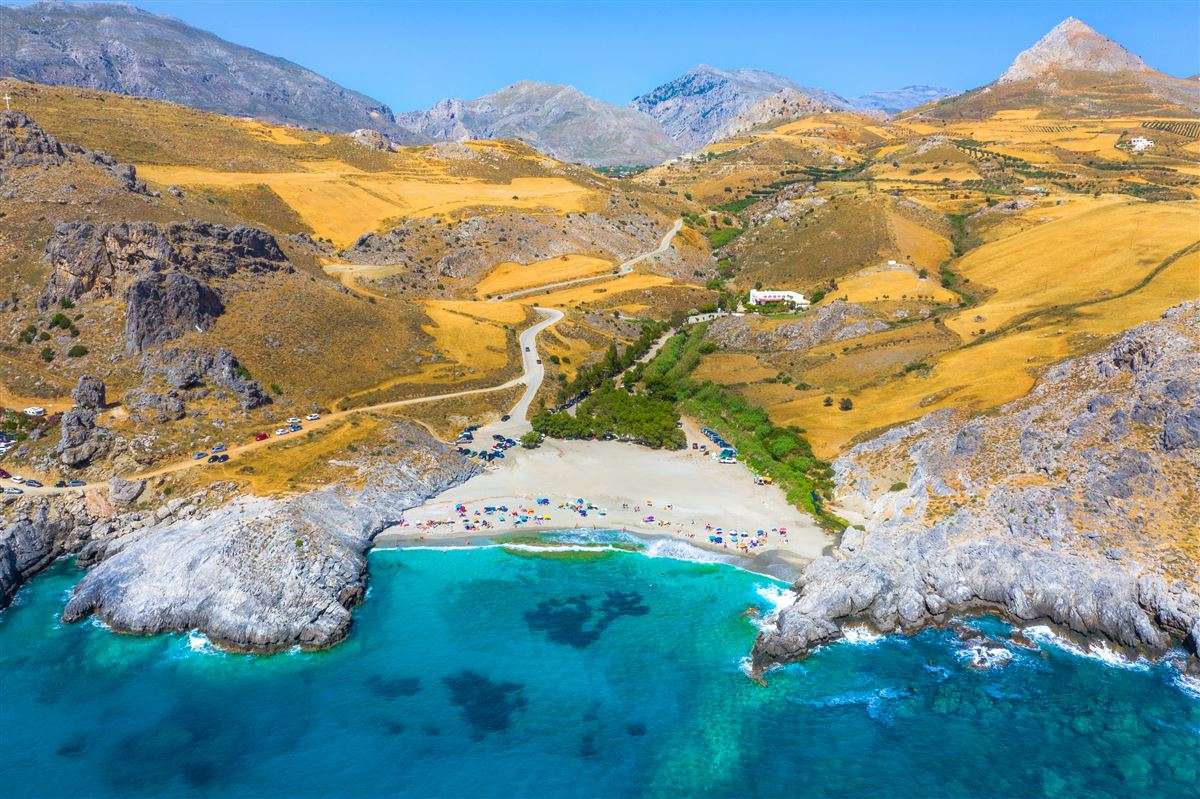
765	296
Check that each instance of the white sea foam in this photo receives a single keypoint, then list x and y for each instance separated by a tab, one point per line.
681	550
1096	650
985	657
198	642
1188	684
779	597
858	635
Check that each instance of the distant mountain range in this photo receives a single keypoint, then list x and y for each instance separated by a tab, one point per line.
122	49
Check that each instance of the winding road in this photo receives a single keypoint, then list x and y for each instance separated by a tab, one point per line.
532	375
624	269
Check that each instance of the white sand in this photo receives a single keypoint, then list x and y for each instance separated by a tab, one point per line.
683	490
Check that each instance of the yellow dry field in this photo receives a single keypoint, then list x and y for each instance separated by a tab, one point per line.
473	333
598	292
918	244
511	276
340	202
890	285
980	377
281	135
300	464
923	173
732	368
572	352
1083	256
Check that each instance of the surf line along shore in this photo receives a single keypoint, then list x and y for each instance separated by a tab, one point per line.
681	494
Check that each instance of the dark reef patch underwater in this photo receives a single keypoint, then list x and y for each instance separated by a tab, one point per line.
479	673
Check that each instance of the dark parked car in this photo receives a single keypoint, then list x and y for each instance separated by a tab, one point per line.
33	484
505	418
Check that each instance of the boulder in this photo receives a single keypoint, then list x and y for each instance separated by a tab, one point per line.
160	307
124	492
81	441
89	393
372	139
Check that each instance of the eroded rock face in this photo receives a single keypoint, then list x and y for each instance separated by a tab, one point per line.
102	260
371	139
262	574
160	307
81	440
188	368
23	143
1070	504
34	533
89	392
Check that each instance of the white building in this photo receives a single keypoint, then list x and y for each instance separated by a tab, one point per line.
765	296
1139	143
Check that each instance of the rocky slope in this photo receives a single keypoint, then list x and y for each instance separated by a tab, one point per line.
465	250
123	49
252	573
1070	504
557	120
697	106
773	109
1071	44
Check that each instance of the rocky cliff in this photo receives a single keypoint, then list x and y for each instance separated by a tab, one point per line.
163	272
252	573
1073	504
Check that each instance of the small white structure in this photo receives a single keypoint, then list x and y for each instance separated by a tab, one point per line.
1140	143
35	411
765	296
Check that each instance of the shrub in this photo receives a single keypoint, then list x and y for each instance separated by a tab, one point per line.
828	401
898	486
66	303
845	404
532	440
276	389
47	354
78	351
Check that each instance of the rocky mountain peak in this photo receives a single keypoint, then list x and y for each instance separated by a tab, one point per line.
1072	45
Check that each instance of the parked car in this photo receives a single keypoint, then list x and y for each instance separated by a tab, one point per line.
218	448
12	490
222	458
35	410
16	478
312	417
33	484
294	420
505	418
214	458
295	428
282	431
76	483
261	436
4	474
198	455
60	484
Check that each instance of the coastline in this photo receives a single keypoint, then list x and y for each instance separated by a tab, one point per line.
654	494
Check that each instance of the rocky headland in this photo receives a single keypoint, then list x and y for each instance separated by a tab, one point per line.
252	573
1038	511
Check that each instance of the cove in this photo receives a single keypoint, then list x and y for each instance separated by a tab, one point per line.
489	672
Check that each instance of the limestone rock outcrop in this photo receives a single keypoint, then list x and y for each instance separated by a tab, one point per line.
1038	509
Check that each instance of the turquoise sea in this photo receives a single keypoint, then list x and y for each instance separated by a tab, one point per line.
493	673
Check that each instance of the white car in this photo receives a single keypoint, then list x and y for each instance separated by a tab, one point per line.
282	431
294	420
16	478
312	417
35	410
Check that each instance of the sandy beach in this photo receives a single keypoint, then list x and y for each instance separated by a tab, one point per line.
683	494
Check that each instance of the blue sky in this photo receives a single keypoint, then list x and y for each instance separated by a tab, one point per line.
409	55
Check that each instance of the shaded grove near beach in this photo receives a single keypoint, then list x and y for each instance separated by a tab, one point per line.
476	672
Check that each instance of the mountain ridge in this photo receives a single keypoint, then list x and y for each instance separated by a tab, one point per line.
124	49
